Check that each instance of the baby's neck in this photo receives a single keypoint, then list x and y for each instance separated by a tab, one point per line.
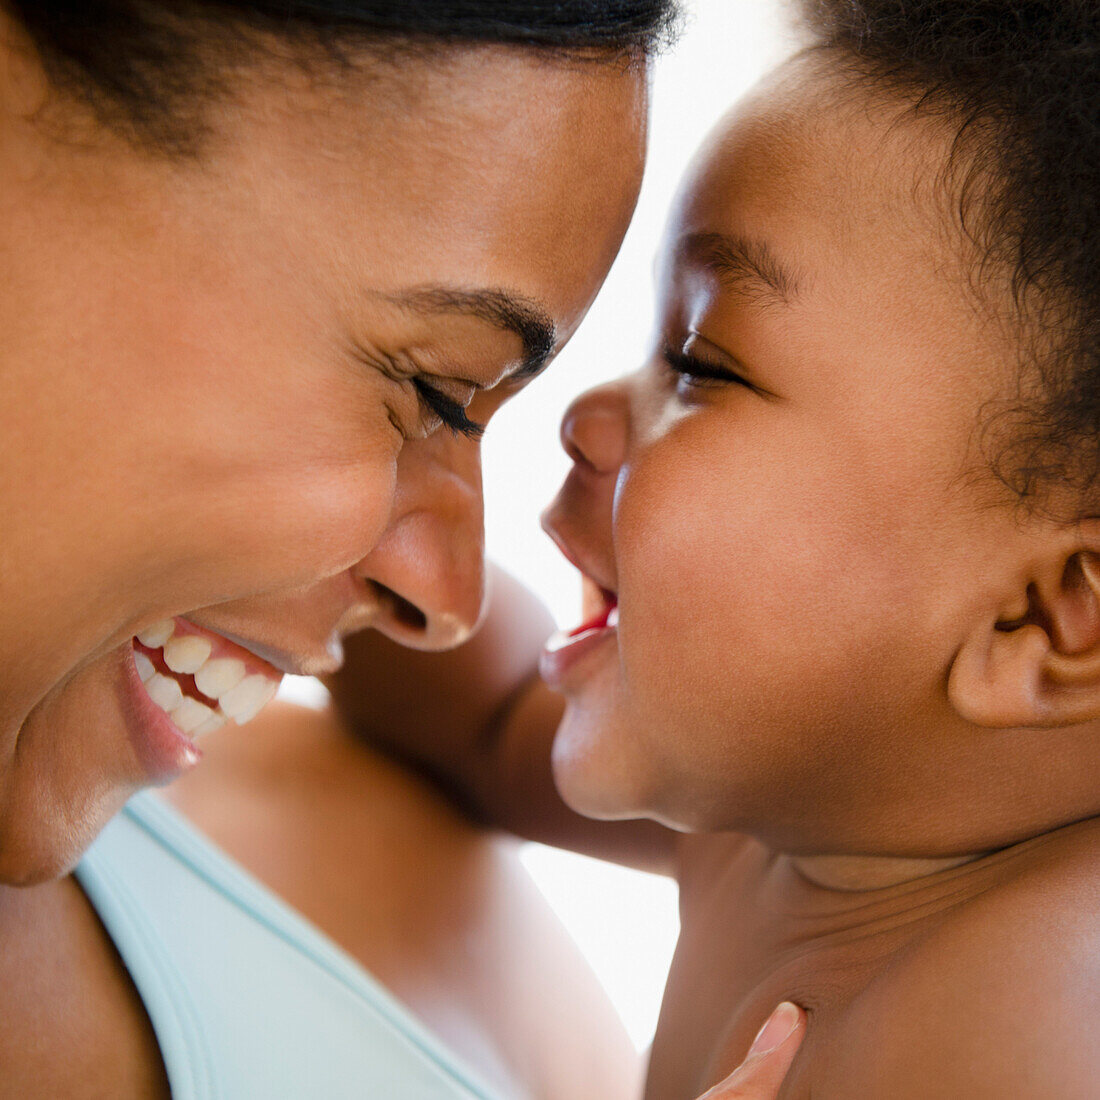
856	873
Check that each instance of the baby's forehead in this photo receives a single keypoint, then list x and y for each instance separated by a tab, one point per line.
830	171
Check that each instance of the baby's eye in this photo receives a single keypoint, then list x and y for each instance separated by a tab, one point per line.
700	372
448	411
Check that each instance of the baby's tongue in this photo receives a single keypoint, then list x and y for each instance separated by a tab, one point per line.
596	606
593	599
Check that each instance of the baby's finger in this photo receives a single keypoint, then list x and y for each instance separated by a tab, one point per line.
761	1074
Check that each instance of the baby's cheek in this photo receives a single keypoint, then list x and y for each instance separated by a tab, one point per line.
735	606
680	607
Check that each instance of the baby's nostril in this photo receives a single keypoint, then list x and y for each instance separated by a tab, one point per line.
406	613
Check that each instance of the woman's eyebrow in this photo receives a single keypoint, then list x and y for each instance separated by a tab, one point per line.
514	313
747	266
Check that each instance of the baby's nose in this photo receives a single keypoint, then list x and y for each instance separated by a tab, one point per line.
595	427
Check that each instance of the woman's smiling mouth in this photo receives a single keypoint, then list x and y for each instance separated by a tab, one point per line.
200	679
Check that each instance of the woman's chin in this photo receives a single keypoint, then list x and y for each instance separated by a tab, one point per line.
76	758
44	835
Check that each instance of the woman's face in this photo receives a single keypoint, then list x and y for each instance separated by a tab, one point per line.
787	500
223	385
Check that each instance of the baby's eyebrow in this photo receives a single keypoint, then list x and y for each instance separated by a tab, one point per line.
744	265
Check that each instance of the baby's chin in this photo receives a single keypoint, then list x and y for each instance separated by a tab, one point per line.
598	768
608	766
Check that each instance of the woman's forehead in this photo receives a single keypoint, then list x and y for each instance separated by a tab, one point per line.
518	175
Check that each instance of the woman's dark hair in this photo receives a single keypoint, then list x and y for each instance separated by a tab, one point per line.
1019	81
147	67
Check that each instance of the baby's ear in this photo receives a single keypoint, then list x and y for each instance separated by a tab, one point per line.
1040	668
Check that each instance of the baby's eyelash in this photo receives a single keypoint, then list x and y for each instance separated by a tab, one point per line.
698	369
449	411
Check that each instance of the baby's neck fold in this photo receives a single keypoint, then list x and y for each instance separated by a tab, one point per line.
858	873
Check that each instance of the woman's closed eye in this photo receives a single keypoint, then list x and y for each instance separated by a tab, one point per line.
448	411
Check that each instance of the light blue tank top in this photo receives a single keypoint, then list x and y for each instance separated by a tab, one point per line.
247	999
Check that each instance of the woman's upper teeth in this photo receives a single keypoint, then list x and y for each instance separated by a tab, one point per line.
248	698
217	676
223	680
187	653
156	635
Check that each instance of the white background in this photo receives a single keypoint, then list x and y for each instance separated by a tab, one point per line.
624	921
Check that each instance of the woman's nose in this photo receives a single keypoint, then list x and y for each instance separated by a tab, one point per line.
594	429
429	565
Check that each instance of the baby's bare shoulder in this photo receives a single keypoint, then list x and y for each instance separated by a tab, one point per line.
997	999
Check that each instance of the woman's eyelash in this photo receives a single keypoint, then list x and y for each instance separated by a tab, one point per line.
449	411
691	367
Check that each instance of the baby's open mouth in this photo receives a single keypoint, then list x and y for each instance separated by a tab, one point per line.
604	616
200	679
601	612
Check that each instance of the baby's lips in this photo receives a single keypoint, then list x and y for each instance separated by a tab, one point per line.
592	599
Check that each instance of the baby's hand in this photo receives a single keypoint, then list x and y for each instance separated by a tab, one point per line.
761	1074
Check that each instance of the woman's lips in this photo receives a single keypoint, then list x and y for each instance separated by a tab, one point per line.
201	679
162	748
182	682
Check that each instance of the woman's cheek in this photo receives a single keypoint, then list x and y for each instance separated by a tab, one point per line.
322	522
242	528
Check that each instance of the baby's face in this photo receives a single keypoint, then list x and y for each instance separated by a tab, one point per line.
789	498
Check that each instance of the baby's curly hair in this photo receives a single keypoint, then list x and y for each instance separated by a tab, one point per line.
1020	82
